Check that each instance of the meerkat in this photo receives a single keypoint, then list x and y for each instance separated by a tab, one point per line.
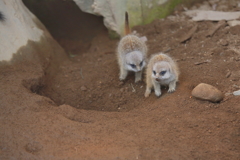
161	70
131	54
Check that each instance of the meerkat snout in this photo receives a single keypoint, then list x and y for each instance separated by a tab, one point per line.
161	70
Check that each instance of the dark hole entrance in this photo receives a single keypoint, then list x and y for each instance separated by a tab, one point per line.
88	79
67	23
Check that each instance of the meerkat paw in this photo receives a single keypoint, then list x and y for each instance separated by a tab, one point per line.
138	76
170	90
147	93
121	78
138	79
158	93
172	87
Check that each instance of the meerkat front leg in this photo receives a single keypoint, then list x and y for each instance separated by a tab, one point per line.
148	91
172	86
138	76
149	86
157	89
123	73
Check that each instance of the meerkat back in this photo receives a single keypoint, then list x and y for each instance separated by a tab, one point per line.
131	54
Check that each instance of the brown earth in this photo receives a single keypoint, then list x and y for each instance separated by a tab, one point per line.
82	111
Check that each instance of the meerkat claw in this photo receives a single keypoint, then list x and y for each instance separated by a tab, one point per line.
171	90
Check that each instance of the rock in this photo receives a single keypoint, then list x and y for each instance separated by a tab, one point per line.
223	42
235	30
236	93
233	23
17	29
235	75
33	147
83	88
113	11
207	92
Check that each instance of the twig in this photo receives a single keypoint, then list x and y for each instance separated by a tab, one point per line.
189	34
81	73
133	89
219	25
198	63
169	49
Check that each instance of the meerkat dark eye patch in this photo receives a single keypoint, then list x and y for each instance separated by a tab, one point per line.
141	63
133	65
162	73
154	72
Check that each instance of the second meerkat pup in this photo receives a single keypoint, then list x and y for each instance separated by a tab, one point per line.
161	70
131	54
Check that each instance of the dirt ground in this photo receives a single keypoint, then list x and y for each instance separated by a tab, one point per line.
83	111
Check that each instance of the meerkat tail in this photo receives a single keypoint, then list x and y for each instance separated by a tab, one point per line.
2	17
127	28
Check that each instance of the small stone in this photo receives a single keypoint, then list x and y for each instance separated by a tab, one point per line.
122	90
33	147
233	23
223	42
236	93
235	75
207	92
83	88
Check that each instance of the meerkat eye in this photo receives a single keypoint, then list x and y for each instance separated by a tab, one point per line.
154	72
133	65
141	63
162	72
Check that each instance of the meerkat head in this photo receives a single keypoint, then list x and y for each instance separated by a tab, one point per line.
161	71
135	61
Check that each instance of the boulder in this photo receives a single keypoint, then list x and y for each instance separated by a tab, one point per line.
207	92
16	30
140	11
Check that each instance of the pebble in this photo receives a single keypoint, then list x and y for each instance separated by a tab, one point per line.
223	42
33	147
83	88
235	75
236	93
207	92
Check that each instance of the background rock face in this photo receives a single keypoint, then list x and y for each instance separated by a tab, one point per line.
140	11
17	28
207	92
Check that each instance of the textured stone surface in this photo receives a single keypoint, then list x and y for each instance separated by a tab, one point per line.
207	92
140	11
17	29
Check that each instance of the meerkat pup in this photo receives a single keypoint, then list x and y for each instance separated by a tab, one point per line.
161	70
131	54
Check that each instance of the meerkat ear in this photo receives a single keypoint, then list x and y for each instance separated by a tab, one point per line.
170	68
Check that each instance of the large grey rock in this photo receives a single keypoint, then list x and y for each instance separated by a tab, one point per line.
140	11
17	29
207	92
